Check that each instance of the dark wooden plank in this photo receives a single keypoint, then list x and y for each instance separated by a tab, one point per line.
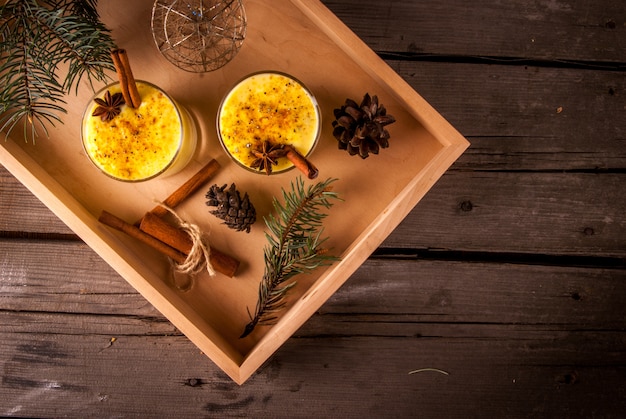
20	211
419	291
435	294
542	213
80	376
527	118
539	341
559	31
64	277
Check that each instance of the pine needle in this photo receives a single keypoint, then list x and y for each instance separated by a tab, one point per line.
429	369
294	246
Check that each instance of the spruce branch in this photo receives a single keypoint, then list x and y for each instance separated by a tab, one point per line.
36	36
294	246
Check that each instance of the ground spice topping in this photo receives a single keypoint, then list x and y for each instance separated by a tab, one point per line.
137	143
268	107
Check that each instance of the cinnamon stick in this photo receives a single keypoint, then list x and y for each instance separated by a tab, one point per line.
301	162
125	76
121	225
220	261
189	187
160	229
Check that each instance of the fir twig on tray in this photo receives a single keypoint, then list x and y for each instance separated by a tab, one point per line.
36	37
294	246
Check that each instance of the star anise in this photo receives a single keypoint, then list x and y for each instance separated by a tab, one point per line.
109	107
267	156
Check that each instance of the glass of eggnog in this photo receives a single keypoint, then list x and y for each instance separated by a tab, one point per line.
156	139
268	108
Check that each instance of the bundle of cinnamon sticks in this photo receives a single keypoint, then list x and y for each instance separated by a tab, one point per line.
168	239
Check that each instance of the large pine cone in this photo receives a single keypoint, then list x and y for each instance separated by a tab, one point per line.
238	213
360	128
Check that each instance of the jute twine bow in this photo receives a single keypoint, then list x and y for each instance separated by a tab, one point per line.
198	257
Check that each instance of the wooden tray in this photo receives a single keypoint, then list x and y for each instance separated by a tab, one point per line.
301	38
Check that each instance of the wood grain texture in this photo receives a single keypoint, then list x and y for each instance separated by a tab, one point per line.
509	275
80	376
213	316
544	213
33	217
535	350
525	118
554	31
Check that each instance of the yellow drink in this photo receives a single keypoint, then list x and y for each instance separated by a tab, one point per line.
156	139
272	107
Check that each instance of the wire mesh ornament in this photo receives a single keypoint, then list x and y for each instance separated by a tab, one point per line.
201	35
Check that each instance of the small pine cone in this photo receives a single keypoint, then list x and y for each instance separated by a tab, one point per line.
238	213
360	129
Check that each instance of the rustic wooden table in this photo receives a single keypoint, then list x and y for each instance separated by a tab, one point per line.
502	294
